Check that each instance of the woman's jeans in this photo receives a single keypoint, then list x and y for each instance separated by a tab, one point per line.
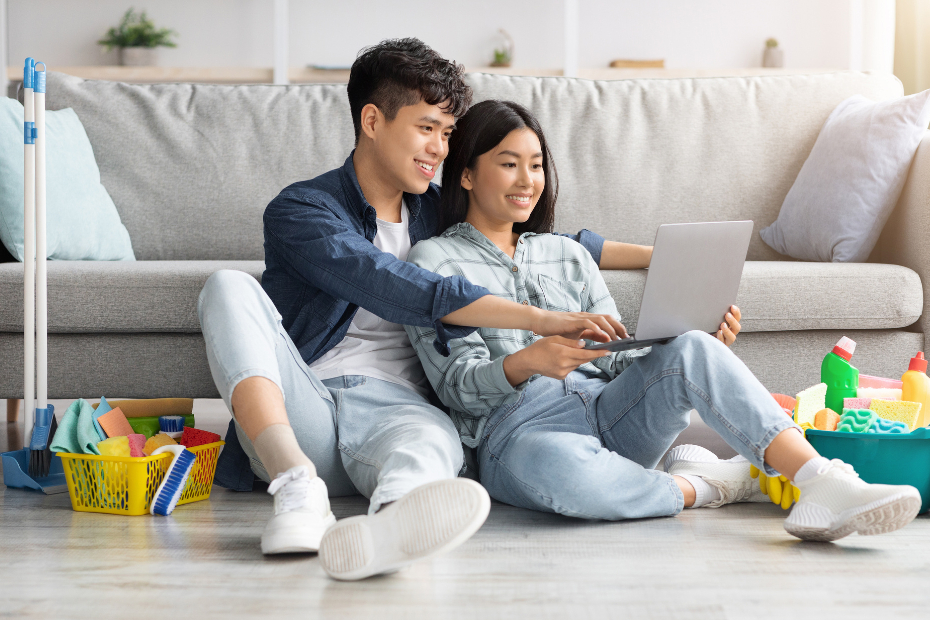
364	435
586	447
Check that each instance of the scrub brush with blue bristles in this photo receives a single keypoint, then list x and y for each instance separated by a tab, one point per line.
170	489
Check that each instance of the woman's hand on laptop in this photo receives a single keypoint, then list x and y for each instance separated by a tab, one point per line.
730	327
575	325
554	356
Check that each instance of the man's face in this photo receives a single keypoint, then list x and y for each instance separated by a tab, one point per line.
412	146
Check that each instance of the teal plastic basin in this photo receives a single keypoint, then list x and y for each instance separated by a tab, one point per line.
881	458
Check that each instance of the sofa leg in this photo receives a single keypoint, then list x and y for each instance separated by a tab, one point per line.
12	409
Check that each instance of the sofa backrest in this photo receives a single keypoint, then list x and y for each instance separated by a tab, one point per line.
191	167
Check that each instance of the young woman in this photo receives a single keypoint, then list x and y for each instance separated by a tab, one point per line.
561	429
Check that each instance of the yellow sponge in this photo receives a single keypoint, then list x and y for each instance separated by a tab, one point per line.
810	401
115	446
898	411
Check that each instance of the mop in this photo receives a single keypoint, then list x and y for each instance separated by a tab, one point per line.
43	472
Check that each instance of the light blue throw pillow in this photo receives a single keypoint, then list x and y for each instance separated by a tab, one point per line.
81	219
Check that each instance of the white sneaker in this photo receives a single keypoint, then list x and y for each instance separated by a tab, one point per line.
730	477
836	503
301	513
430	520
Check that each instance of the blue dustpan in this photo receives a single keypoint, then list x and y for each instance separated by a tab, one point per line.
16	476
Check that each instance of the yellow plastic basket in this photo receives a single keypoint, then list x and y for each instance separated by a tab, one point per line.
123	485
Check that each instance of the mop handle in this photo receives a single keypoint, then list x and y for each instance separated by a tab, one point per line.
29	249
41	248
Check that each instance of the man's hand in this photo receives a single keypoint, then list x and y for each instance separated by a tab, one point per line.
575	325
728	330
554	357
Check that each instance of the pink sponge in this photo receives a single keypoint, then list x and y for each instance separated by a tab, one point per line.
856	403
136	444
196	437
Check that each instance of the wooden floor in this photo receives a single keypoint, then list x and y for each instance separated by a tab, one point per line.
204	561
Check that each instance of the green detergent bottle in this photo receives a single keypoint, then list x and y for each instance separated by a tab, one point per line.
841	378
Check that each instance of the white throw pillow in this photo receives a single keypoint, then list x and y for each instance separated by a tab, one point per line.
851	181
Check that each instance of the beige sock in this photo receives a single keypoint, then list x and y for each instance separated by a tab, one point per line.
278	450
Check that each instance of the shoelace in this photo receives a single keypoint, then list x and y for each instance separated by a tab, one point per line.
291	490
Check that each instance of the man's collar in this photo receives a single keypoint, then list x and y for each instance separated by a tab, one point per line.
357	197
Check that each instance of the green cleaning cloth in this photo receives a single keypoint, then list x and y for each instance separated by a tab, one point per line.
76	433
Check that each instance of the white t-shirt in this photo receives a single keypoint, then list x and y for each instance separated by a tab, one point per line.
374	347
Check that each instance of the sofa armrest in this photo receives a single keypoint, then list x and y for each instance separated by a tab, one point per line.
905	239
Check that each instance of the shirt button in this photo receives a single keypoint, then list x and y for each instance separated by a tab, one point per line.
514	269
521	240
526	303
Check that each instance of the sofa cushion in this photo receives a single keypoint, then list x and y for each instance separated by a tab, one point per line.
191	167
780	295
161	296
144	296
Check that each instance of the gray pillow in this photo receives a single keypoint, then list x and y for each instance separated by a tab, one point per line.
851	181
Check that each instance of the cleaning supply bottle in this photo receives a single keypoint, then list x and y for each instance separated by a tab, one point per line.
916	387
841	378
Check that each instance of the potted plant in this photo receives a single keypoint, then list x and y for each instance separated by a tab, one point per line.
504	56
773	57
137	39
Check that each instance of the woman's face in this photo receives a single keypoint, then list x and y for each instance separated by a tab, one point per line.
507	181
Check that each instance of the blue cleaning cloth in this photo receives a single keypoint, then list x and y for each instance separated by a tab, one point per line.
76	433
102	408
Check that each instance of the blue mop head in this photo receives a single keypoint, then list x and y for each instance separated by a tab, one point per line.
170	489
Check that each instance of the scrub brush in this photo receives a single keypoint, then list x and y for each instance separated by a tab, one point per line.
43	431
170	489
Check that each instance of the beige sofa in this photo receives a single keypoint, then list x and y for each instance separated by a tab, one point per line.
191	168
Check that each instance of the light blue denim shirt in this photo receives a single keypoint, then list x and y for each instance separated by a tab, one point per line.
551	272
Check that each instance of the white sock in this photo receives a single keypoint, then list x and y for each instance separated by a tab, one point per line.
809	469
704	493
278	450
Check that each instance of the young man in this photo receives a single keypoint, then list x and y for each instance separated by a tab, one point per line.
327	393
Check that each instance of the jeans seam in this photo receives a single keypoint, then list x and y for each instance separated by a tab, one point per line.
539	493
491	428
355	456
303	364
639	396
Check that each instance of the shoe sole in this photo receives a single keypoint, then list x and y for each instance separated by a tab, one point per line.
879	517
428	521
688	453
296	540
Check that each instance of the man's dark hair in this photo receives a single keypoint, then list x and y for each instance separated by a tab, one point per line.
400	72
481	129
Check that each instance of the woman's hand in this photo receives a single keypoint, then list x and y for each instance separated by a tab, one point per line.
575	325
728	330
554	357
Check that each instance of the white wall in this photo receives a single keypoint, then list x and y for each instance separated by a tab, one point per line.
687	33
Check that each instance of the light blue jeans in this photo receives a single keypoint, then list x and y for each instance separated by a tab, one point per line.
586	447
364	435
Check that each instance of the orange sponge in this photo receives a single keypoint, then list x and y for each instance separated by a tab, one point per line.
115	424
157	441
826	420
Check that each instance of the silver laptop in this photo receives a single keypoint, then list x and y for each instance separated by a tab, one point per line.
692	281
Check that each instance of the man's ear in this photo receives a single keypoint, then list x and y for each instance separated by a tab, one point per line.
466	180
371	118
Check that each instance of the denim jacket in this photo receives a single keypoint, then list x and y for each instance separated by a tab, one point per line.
321	265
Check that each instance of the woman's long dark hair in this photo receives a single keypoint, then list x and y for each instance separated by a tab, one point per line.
482	128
